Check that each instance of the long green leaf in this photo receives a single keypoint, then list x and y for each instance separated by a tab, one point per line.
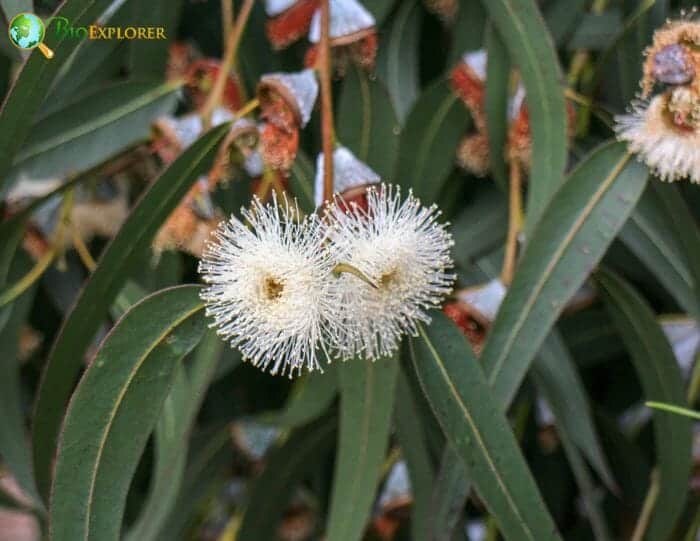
414	448
429	141
574	233
555	372
311	396
366	402
102	288
14	448
397	61
285	467
449	496
651	236
474	423
172	438
367	124
114	410
148	58
661	381
496	104
35	79
93	129
524	32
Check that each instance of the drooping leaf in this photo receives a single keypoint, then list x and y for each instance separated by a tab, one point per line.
522	28
380	9
366	403
102	288
397	61
429	140
496	104
475	425
88	132
302	182
14	448
449	495
35	79
414	449
367	124
555	373
285	467
172	433
651	236
114	410
658	371
148	58
10	8
579	225
311	396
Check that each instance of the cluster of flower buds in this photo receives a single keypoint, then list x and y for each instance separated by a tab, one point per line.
350	284
286	103
352	34
664	129
468	79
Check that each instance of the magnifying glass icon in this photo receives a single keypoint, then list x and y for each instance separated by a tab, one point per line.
27	31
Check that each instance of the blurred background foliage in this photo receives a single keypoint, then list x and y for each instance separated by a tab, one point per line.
183	440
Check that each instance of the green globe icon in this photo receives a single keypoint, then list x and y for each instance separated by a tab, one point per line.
27	31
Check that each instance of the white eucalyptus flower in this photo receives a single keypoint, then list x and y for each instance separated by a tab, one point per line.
270	287
401	248
671	150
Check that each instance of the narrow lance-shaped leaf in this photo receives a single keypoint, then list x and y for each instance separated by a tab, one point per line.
496	104
114	410
661	381
397	61
414	449
94	129
429	141
14	449
524	32
555	372
367	124
579	225
476	427
651	236
35	79
102	288
172	435
366	402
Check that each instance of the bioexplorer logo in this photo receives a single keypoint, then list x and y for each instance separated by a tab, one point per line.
27	31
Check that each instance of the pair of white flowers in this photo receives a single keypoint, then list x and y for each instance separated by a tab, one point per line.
286	291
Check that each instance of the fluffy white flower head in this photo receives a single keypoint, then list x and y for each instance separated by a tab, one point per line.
402	249
270	287
672	151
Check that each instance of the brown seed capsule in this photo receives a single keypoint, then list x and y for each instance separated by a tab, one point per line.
278	146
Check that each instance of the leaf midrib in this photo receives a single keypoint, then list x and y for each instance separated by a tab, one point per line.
117	404
98	122
492	466
558	254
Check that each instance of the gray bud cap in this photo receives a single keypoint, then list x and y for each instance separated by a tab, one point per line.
672	65
347	17
299	88
253	164
275	7
348	172
188	128
477	62
485	299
